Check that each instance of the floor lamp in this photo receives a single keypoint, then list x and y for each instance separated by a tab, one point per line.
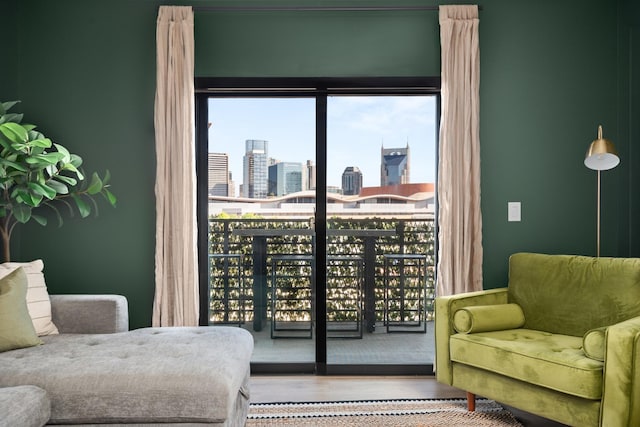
601	156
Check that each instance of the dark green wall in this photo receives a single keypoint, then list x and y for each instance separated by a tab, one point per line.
629	69
550	73
87	79
9	64
312	44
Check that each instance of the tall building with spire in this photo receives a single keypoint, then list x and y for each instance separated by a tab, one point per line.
254	167
395	165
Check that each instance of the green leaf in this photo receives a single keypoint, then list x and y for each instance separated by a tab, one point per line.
42	142
44	159
33	134
107	177
40	219
83	208
36	200
13	117
59	187
42	190
72	168
22	213
6	106
13	165
76	160
40	179
67	180
96	184
63	150
13	132
111	198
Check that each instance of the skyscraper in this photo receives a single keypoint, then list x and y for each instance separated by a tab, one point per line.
310	176
394	166
218	171
285	178
254	165
351	181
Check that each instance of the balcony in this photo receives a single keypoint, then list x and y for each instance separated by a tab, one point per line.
380	281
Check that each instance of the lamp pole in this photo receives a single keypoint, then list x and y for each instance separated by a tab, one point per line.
598	219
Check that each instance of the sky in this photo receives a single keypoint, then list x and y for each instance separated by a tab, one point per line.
357	127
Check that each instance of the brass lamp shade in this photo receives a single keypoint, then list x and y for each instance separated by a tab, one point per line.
602	154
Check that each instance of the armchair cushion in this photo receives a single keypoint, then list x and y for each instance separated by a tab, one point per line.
549	287
484	318
593	343
550	360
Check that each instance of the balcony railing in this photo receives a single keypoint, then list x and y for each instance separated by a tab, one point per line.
241	271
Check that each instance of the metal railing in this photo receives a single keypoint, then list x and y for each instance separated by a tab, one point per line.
240	267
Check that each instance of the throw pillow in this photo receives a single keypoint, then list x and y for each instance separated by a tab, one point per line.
16	327
38	300
484	318
593	343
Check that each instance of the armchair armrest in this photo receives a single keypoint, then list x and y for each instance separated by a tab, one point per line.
445	308
621	384
90	314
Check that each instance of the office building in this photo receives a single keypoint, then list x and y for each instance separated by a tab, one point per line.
285	178
351	181
394	166
218	174
254	165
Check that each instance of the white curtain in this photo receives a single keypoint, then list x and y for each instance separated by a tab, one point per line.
460	220
176	294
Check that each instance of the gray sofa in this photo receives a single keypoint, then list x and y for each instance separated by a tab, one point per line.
96	372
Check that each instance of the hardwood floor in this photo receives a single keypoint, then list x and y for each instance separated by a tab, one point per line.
312	388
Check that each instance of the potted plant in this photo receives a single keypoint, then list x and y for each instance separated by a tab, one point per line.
36	173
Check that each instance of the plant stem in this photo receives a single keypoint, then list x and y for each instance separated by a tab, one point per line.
5	232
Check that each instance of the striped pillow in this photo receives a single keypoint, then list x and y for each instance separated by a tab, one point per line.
38	301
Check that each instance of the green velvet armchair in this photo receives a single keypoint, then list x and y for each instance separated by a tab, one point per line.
562	340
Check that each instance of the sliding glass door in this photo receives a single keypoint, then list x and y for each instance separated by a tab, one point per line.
319	205
380	230
261	184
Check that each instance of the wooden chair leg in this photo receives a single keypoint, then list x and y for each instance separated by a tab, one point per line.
471	402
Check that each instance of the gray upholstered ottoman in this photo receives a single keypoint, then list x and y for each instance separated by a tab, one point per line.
24	406
146	376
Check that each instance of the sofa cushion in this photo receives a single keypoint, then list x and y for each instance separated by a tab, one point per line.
548	360
593	343
152	375
484	318
37	296
24	406
16	328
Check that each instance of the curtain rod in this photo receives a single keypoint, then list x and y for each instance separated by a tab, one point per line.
310	8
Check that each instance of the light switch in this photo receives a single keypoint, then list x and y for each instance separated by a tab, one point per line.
513	209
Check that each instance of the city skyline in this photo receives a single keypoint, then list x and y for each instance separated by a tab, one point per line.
357	128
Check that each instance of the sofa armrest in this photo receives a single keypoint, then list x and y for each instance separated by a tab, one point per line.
621	386
445	308
90	314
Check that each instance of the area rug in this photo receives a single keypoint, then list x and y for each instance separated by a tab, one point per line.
383	413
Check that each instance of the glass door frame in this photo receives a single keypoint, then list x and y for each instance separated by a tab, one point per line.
320	89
